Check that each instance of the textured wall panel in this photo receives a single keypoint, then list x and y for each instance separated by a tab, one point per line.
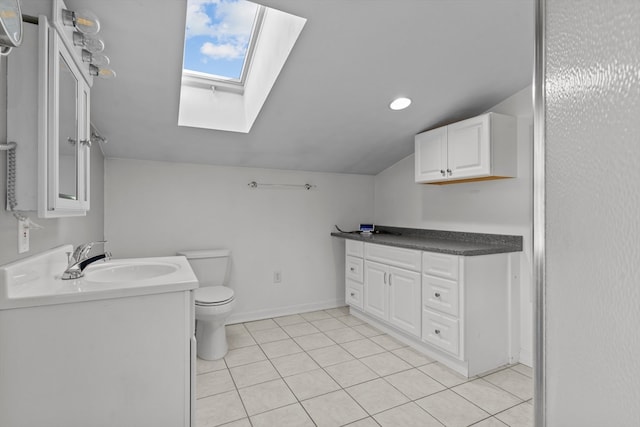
593	213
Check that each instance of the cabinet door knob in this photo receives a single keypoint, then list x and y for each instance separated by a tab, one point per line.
437	331
442	172
437	294
86	142
353	294
449	171
352	269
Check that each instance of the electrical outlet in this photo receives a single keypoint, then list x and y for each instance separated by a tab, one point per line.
23	236
277	276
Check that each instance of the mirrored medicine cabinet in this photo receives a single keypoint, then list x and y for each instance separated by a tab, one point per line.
48	117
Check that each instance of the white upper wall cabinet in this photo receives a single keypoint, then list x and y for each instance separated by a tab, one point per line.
48	117
480	148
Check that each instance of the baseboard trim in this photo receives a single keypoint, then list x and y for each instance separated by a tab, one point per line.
268	313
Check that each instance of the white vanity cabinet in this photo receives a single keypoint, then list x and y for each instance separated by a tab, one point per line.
465	308
453	308
392	286
479	148
354	276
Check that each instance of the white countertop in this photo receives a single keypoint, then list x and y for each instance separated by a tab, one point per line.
35	281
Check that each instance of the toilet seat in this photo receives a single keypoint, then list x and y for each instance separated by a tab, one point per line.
213	295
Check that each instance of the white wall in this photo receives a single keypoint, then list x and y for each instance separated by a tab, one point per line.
592	341
57	231
158	208
501	206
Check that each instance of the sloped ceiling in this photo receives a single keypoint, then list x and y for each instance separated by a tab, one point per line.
328	110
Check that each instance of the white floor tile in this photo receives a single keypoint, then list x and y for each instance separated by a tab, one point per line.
289	320
487	396
266	396
414	383
443	375
260	325
287	416
331	355
219	409
490	422
315	315
385	363
367	331
518	416
240	340
350	320
387	342
213	383
376	396
362	348
313	341
311	384
300	329
523	369
512	381
408	415
254	373
451	409
268	335
203	366
344	335
240	423
365	422
338	312
351	373
412	356
281	348
294	364
333	409
328	324
244	355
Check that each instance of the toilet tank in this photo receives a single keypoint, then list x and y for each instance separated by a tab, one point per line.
211	266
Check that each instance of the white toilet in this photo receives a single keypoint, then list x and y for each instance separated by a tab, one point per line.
214	302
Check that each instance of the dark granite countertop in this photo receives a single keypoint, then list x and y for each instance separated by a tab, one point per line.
448	242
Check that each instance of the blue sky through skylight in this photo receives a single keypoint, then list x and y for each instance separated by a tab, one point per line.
217	36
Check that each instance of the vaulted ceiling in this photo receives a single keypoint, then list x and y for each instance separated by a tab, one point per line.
328	110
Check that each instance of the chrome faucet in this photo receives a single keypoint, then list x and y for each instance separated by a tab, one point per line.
80	259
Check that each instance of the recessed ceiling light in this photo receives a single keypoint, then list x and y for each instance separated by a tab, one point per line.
400	103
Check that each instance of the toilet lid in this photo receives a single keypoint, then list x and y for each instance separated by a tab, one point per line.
213	295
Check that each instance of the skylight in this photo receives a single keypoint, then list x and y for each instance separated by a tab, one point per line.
219	38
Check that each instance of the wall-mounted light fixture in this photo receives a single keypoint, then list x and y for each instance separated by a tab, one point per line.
87	25
84	21
10	25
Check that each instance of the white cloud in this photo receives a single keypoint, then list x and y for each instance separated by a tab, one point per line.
231	23
222	51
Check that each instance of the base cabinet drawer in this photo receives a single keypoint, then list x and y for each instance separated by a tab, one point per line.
353	294
441	331
440	294
353	268
354	248
440	265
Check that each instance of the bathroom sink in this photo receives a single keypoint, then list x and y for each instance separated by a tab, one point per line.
36	280
123	271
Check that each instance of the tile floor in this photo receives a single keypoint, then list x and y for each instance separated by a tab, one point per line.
328	368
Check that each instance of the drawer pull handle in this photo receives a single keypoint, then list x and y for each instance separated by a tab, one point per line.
437	331
353	294
437	294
